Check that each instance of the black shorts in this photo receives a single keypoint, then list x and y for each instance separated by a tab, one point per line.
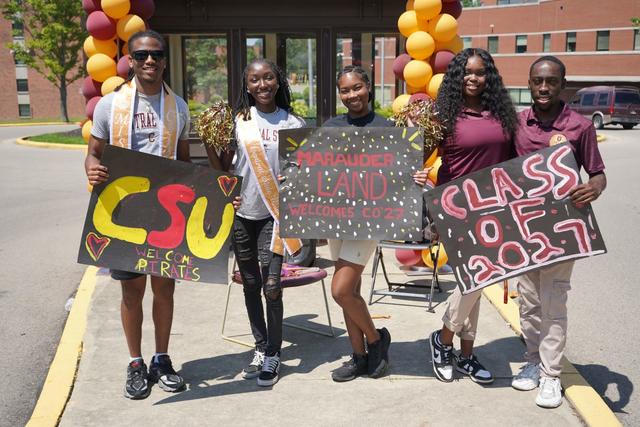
124	275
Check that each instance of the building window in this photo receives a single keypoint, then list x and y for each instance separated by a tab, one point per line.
602	40
24	110
546	42
521	44
492	44
466	42
520	96
636	40
505	2
571	42
23	85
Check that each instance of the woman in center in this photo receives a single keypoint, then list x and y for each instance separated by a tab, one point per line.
370	345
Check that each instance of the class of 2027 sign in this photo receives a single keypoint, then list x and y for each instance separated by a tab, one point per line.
514	217
351	183
160	217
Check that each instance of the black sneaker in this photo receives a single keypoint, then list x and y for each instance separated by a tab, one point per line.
137	386
355	367
270	369
254	368
474	369
441	358
162	372
379	354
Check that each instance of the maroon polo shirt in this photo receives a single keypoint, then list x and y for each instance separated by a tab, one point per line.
479	141
570	126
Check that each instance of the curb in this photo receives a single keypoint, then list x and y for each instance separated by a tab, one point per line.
52	145
62	372
3	125
584	399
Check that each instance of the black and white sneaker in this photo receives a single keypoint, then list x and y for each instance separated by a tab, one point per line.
379	354
473	369
441	358
161	371
270	369
254	367
355	367
137	386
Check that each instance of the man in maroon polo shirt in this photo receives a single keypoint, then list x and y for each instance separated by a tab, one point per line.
543	293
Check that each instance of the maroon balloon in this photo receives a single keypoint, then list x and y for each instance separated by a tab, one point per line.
91	106
419	97
143	8
90	88
101	26
123	67
399	63
448	1
440	61
90	6
453	8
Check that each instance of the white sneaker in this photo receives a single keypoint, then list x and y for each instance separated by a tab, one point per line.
255	367
528	378
550	393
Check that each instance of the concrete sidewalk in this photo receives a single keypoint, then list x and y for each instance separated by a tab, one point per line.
305	395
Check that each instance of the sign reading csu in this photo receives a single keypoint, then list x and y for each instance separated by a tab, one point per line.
160	217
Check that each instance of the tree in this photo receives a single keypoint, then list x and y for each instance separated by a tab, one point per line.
635	22
53	39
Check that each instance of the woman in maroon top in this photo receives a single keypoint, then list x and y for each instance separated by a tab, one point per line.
480	127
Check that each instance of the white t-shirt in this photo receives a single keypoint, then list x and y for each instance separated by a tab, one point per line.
268	123
145	137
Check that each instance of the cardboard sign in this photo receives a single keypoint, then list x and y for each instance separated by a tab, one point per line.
351	183
514	217
160	217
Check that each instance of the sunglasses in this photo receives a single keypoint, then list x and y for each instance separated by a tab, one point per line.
142	55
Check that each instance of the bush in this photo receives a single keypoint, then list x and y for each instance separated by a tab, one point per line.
300	108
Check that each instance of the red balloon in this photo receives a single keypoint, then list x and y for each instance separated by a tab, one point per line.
399	63
453	8
91	106
440	61
122	68
90	88
101	26
419	97
91	5
143	8
408	256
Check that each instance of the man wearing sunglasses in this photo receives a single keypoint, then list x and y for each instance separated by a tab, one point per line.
143	114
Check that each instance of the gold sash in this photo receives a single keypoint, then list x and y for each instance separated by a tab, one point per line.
122	119
249	135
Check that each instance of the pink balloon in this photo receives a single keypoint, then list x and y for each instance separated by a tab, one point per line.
90	88
399	63
453	8
122	68
419	97
440	61
143	8
408	256
101	26
91	106
91	5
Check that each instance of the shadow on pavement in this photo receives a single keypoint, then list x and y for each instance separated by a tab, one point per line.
601	379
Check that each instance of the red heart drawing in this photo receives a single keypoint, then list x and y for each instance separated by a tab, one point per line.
96	245
227	184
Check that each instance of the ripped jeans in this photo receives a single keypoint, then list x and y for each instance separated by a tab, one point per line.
260	271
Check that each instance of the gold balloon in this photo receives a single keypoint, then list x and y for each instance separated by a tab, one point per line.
86	130
427	9
409	23
92	46
125	49
443	27
420	45
433	173
115	9
434	85
436	249
100	67
455	45
409	5
129	25
417	73
432	159
411	90
110	84
400	102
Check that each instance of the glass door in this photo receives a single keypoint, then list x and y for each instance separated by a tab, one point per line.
297	56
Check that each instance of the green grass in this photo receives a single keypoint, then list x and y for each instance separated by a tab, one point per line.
58	138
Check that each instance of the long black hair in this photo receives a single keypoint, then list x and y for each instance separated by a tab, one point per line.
283	95
356	69
494	98
141	34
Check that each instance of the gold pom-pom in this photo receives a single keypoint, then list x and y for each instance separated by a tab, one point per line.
215	125
422	114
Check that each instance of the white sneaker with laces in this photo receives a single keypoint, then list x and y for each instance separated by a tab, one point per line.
528	378
255	366
270	371
550	393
